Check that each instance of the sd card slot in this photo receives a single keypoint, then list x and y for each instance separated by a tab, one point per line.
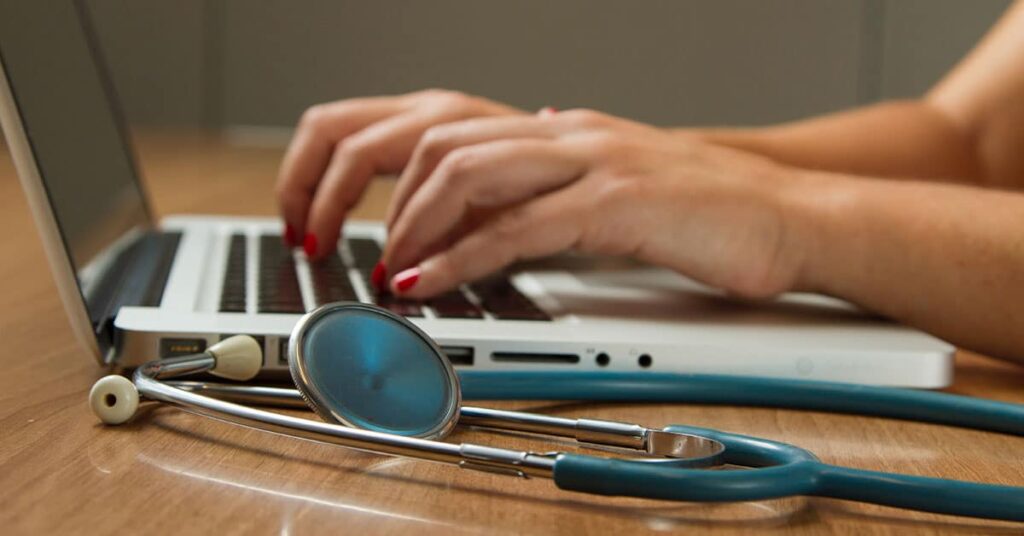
532	357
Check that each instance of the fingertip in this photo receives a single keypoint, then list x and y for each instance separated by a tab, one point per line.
294	211
289	236
310	245
379	277
403	282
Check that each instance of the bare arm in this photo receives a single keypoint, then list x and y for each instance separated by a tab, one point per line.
948	259
967	129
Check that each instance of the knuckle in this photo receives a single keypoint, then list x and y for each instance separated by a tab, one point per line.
282	191
615	190
449	101
288	197
433	92
456	166
585	118
353	148
454	271
509	227
604	145
314	118
436	142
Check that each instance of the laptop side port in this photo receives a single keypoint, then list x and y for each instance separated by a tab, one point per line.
459	355
179	346
282	351
530	357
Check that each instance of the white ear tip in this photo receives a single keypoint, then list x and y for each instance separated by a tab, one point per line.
238	358
114	399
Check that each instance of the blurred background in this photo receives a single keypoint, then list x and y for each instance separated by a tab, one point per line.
254	66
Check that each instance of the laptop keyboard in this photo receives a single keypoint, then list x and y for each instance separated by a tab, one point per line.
232	295
278	289
330	281
278	282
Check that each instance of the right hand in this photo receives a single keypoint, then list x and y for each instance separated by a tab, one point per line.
340	146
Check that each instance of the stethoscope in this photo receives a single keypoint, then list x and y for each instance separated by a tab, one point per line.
381	385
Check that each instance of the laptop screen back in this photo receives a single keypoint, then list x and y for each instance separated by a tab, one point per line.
68	115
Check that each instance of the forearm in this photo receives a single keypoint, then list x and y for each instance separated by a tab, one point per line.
907	139
947	259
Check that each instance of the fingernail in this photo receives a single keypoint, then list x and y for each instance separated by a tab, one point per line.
309	244
406	279
547	111
379	276
289	236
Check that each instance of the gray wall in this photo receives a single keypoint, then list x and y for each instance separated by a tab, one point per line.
244	62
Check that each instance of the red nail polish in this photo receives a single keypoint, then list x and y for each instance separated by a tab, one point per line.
309	244
406	279
547	110
379	276
289	236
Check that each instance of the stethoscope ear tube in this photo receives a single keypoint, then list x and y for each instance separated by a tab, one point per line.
833	397
781	470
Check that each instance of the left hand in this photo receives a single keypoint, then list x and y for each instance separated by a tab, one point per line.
480	194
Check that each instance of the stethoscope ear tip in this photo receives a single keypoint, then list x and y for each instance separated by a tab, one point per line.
114	399
237	358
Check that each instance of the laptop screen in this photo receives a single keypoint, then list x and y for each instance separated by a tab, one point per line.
68	115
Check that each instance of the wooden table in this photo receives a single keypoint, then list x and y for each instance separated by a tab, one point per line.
63	472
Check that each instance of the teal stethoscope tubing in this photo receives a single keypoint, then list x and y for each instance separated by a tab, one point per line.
780	470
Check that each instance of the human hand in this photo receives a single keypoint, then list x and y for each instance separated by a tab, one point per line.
585	181
338	147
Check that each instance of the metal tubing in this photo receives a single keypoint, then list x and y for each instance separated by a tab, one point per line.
660	443
514	462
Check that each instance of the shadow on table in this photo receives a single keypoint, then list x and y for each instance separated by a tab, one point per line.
653	514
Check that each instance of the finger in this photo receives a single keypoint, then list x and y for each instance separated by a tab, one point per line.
381	148
494	174
539	228
440	140
308	154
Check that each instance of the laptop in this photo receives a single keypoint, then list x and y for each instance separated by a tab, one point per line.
136	289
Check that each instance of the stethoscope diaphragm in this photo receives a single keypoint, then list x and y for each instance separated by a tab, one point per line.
365	367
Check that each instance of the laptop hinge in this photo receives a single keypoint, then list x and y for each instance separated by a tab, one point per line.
136	276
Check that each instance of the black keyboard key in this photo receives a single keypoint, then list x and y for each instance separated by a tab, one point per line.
365	253
278	281
454	304
399	306
232	296
330	281
501	298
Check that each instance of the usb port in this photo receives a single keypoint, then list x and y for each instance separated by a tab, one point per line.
174	347
459	355
282	351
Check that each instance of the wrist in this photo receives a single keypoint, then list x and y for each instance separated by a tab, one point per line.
749	139
820	224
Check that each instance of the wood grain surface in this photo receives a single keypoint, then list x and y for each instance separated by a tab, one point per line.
171	472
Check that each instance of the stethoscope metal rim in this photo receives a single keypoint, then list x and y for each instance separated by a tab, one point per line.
297	366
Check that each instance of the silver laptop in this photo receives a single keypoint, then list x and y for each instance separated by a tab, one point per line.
136	289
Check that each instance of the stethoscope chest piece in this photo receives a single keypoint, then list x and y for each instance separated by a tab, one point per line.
384	386
365	367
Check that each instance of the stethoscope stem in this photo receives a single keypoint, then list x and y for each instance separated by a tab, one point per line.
469	456
590	431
